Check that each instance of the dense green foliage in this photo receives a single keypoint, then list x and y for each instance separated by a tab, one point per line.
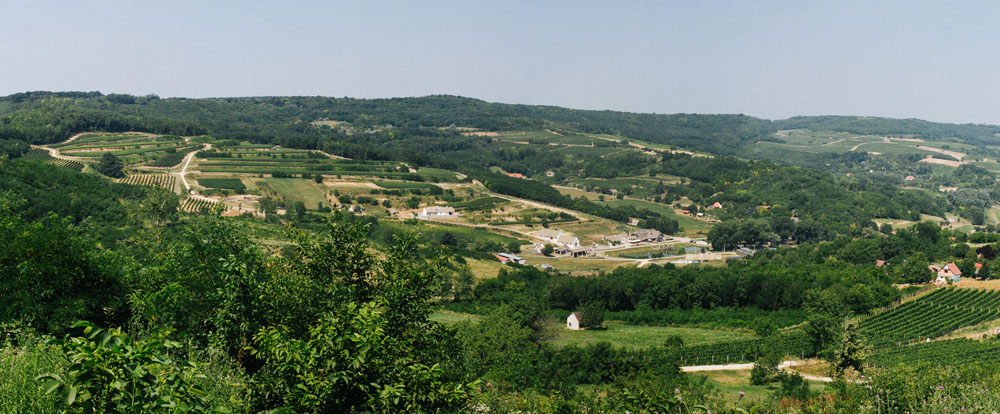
65	192
52	275
109	372
111	166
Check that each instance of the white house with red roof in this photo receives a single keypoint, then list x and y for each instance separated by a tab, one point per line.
946	273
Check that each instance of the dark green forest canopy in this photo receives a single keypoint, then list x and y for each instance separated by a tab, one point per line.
968	133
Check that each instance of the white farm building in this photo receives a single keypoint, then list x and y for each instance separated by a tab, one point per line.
573	321
438	211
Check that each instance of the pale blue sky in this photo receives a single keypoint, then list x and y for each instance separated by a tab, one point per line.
930	60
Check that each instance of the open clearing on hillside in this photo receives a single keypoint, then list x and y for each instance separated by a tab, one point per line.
449	317
950	163
621	335
297	189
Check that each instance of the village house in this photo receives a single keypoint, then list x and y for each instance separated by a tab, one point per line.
617	238
515	175
632	221
645	235
946	273
438	211
579	252
550	235
568	240
573	321
550	174
715	205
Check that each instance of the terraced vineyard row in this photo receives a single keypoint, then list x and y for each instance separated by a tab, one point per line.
42	155
945	353
932	315
197	205
165	181
795	343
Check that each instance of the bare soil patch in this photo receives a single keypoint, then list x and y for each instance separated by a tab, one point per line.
950	163
954	154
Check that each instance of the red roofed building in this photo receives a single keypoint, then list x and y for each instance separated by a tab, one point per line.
879	263
946	273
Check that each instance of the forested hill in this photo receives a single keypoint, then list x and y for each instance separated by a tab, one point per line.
46	117
975	134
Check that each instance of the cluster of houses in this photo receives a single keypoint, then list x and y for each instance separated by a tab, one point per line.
565	244
635	237
701	214
356	209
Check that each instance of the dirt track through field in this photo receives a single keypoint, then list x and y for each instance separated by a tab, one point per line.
784	366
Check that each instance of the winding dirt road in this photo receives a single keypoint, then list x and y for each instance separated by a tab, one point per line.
182	174
784	366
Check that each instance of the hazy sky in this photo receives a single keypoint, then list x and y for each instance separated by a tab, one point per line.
932	60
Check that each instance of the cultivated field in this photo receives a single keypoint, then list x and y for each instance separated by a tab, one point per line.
165	181
132	148
39	154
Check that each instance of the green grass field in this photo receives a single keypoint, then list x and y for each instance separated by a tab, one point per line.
690	226
437	173
297	189
621	335
449	317
226	183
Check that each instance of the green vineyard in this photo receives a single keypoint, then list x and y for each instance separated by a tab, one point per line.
197	205
932	315
164	181
42	155
943	353
795	343
265	189
480	204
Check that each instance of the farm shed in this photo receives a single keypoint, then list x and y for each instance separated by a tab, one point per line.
573	321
